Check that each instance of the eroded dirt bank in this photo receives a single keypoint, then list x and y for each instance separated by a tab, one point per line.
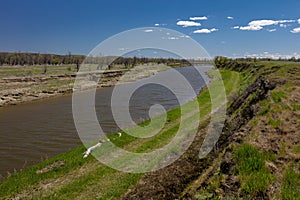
15	90
263	116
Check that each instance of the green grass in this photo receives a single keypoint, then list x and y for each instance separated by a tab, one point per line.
275	123
204	196
264	110
6	71
251	169
28	177
277	96
291	184
295	106
297	149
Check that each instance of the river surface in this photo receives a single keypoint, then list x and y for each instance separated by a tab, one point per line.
35	131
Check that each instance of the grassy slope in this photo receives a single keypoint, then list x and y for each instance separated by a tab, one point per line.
264	162
87	178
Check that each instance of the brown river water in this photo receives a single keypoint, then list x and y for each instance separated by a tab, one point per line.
35	131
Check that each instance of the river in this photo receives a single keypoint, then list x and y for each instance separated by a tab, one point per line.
35	131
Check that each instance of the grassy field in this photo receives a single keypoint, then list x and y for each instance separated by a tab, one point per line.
87	178
22	71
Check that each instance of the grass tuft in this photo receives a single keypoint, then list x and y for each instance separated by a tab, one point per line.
291	184
277	96
255	177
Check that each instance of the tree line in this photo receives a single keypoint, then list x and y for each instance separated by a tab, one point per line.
239	64
221	60
8	58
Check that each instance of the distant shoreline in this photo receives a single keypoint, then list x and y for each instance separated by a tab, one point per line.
15	90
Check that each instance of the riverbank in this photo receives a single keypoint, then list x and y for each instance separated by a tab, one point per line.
35	131
21	84
74	160
256	157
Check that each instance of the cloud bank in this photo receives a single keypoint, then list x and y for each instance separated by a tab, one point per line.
257	25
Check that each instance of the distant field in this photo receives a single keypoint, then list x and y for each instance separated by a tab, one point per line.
8	71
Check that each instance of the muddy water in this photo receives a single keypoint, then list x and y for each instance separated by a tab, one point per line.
32	132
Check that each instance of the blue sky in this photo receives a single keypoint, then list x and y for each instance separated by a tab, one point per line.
257	28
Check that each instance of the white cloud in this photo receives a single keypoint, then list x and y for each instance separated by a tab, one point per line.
157	24
298	21
148	31
205	30
271	55
251	28
173	38
263	22
198	18
235	27
296	30
229	17
283	25
184	36
272	30
188	23
286	21
257	25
